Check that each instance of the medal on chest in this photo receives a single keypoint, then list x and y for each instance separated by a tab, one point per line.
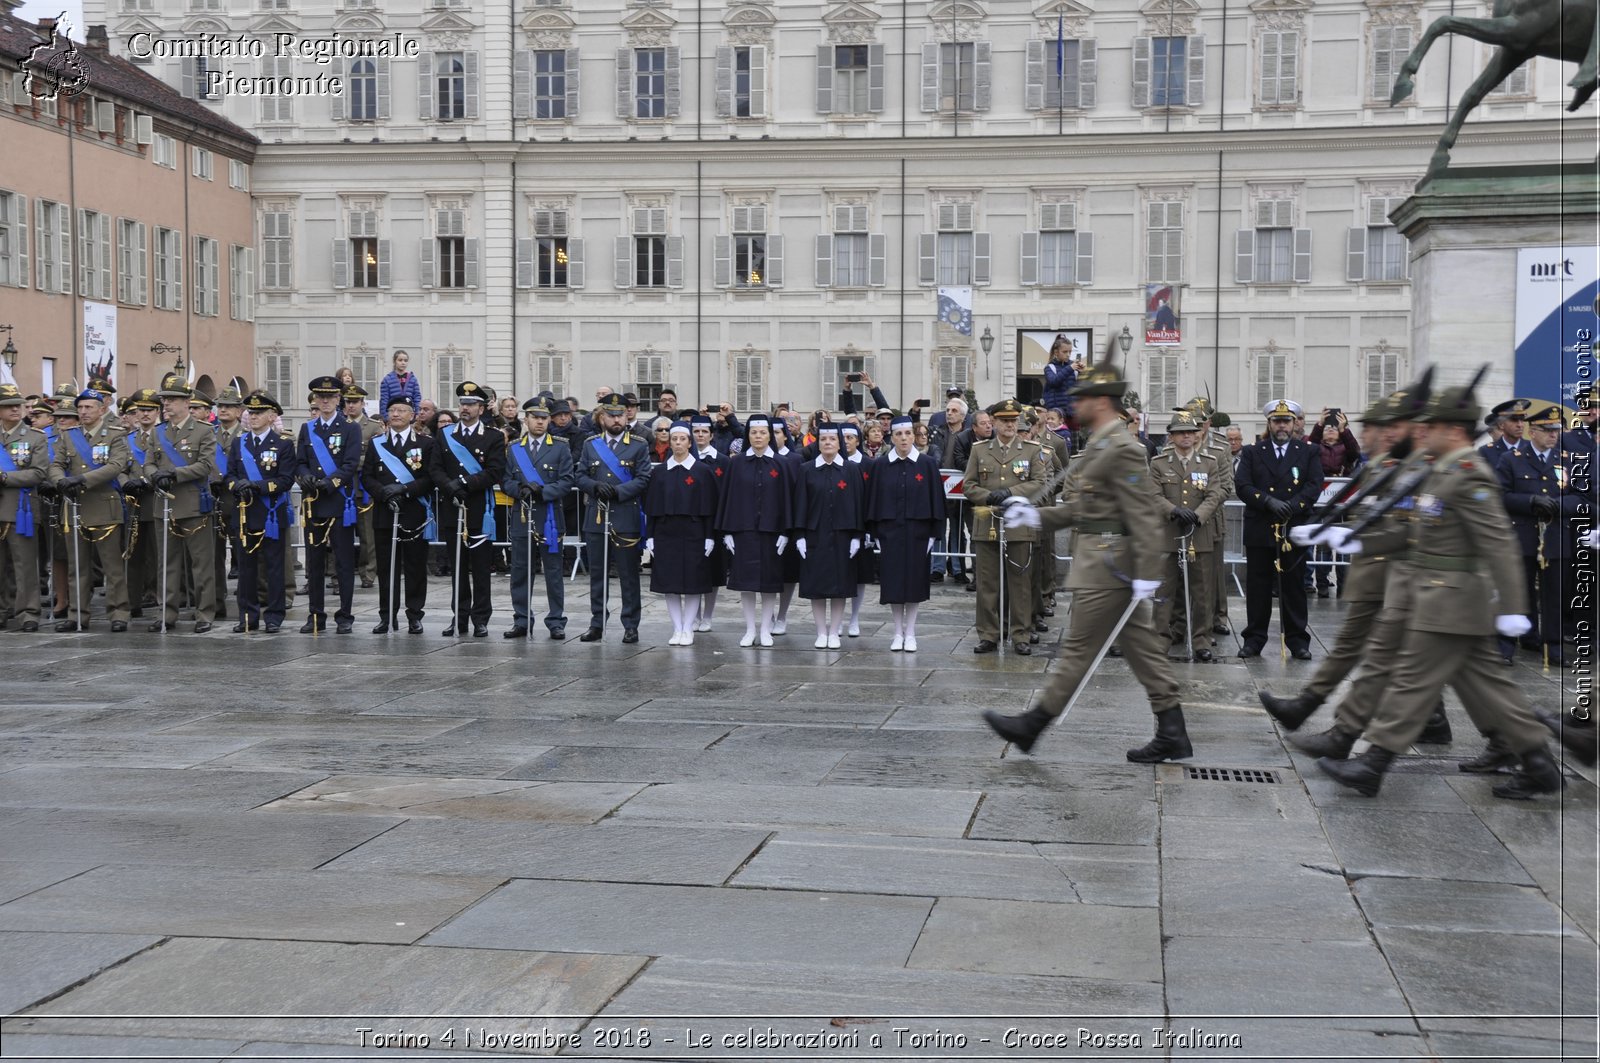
336	443
1199	479
269	458
99	453
1430	506
414	458
20	451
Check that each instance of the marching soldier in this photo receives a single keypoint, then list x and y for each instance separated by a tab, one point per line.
1190	480
469	458
355	409
144	507
1119	527
613	472
229	405
395	473
328	454
539	473
1543	495
24	465
181	467
1461	552
259	478
89	462
999	469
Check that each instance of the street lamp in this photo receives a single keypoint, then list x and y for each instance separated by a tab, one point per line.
1125	340
986	341
167	348
9	351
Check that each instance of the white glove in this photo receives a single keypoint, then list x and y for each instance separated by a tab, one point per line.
1305	534
650	545
1022	515
1329	534
711	544
1591	538
1340	541
727	540
931	544
1145	588
1513	625
855	547
783	543
800	545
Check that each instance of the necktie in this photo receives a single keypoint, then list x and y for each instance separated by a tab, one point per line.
394	442
1280	453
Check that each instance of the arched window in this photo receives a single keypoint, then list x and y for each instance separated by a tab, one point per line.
363	91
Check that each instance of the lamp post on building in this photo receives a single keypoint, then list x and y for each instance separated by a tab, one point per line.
167	348
986	341
8	354
1125	341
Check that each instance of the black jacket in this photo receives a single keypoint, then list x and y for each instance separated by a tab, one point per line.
1296	479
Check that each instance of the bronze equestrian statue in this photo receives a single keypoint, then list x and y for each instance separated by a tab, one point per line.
1520	29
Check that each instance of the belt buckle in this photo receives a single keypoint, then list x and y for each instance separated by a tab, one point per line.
1109	537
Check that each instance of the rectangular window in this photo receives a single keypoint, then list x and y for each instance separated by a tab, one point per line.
1161	381
955	259
649	378
450	86
850	262
1058	258
1383	374
204	269
52	247
958	76
363	262
550	235
169	269
649	261
550	374
164	151
1164	243
749	382
13	241
749	261
852	73
362	90
449	371
1274	256
277	249
742	83
277	372
242	285
277	106
94	255
650	82
202	163
1382	249
1390	46
452	252
1169	71
1272	376
550	83
132	259
1280	66
955	371
238	175
1062	75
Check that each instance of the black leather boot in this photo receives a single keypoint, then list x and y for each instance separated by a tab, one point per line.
1437	731
1577	737
1495	755
1333	743
1539	775
1021	731
1170	743
1363	774
1291	712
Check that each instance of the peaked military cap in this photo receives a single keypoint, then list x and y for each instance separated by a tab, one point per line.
65	411
1006	409
258	401
102	385
1512	408
1220	420
467	391
536	407
325	385
1281	408
11	395
1199	408
200	400
1183	421
87	395
1545	417
145	399
399	399
352	392
1459	405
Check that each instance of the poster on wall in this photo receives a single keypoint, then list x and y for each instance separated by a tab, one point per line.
1033	348
1556	320
1162	327
99	342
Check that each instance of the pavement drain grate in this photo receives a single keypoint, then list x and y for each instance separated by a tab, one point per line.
1229	774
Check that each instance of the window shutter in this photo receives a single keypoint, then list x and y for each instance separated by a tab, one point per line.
1085	263
338	105
875	78
930	78
522	83
575	276
927	258
878	260
1196	91
1141	72
1270	44
774	260
623	271
1289	68
64	227
105	116
572	66
20	276
383	263
758	81
470	246
469	61
425	66
724	82
525	260
141	270
674	262
1088	73
383	86
103	221
86	277
1030	259
830	381
674	81
1033	67
186	81
1302	256
624	82
1244	256
980	258
1355	253
982	74
825	260
722	261
825	78
176	280
247	297
1378	208
42	281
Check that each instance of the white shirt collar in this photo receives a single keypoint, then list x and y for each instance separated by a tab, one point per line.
327	422
856	457
404	437
708	452
894	455
753	453
837	459
686	463
261	437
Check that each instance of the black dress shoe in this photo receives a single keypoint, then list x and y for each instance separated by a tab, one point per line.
1040	626
1291	712
1219	629
64	626
937	577
202	626
449	632
382	628
1539	775
480	631
242	626
119	626
343	627
518	632
365	583
631	635
592	635
414	627
1249	651
1114	651
1048	612
1023	648
1204	656
1033	638
1300	653
985	646
558	634
1021	731
311	627
272	629
972	587
1363	774
30	625
159	625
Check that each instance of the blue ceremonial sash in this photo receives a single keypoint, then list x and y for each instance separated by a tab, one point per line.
319	447
403	475
24	522
473	466
50	441
80	443
178	461
608	458
138	455
530	473
252	471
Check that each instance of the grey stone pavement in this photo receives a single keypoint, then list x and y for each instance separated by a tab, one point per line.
220	846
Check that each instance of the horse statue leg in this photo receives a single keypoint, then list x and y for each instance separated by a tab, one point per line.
1495	31
1500	66
1587	79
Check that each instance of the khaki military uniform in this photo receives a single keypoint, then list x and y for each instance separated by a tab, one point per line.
189	528
1464	558
367	548
995	470
1197	484
19	554
1054	457
144	528
1120	532
1217	443
99	514
226	516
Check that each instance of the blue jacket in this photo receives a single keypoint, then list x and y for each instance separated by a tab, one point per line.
1523	475
392	386
1059	378
633	455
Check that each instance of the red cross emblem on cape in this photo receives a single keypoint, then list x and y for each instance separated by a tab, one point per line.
689	480
842	485
773	473
919	477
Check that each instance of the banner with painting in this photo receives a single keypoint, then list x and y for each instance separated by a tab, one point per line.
1162	327
99	342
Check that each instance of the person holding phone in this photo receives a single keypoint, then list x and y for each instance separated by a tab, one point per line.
1060	375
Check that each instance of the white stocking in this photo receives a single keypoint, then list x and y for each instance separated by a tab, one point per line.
708	605
819	613
911	619
855	603
769	605
675	611
898	611
836	616
748	599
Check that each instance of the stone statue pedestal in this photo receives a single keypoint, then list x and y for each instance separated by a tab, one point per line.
1465	227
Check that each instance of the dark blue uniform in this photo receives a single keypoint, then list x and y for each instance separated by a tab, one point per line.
1544	530
905	508
551	458
625	514
404	524
755	507
467	510
332	518
830	512
1295	479
268	520
681	504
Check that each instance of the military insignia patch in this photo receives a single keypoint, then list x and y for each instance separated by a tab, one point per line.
1430	506
336	443
1480	495
20	451
1200	479
269	459
100	452
414	458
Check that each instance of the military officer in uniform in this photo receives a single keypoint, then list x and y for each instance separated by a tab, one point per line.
1120	528
230	407
329	458
1461	552
1279	480
355	409
1055	454
259	477
613	471
539	474
999	469
144	505
182	464
469	458
395	473
89	464
1192	485
24	466
1513	421
1544	497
